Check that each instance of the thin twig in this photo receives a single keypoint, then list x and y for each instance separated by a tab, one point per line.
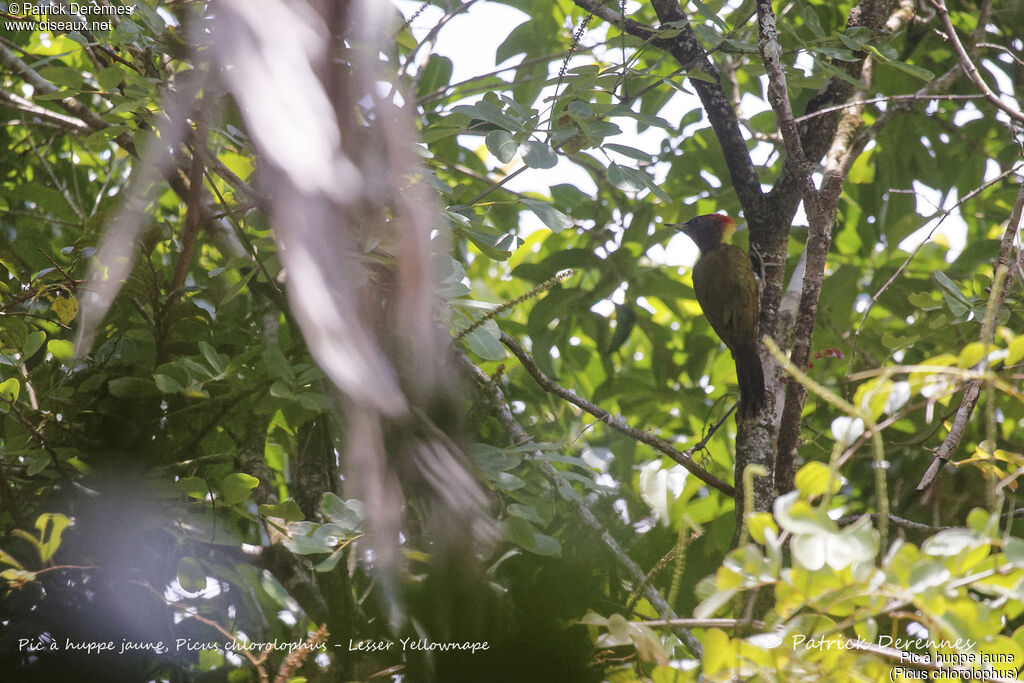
519	436
93	120
818	240
702	623
536	291
193	215
684	458
1007	51
20	103
911	525
240	645
914	97
968	64
997	296
906	262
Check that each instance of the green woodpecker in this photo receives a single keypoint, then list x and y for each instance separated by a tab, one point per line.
726	290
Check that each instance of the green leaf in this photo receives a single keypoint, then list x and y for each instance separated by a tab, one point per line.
502	145
507	481
347	514
538	155
167	384
927	575
62	349
497	246
485	341
1014	550
218	361
978	520
110	77
193	487
973	353
741	45
435	75
289	511
633	180
492	460
527	512
813	480
33	343
1015	351
710	14
50	526
237	487
759	523
487	111
522	533
281	389
709	36
631	152
798	517
10	389
62	75
618	177
810	18
837	72
863	170
851	42
329	564
191	575
550	216
949	286
520	40
7	558
276	364
949	542
915	71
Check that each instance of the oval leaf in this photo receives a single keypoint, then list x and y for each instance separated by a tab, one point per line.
551	217
501	144
237	487
538	155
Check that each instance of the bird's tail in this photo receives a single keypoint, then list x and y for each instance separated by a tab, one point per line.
750	376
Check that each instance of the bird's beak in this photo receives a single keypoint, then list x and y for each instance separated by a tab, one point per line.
684	228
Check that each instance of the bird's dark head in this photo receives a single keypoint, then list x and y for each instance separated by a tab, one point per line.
707	231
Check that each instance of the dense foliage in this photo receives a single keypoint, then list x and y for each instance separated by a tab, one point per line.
179	481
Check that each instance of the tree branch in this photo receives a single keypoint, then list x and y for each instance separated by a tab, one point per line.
519	436
67	122
193	216
1001	278
616	423
778	96
968	64
68	104
821	216
688	51
816	134
844	149
908	524
913	97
